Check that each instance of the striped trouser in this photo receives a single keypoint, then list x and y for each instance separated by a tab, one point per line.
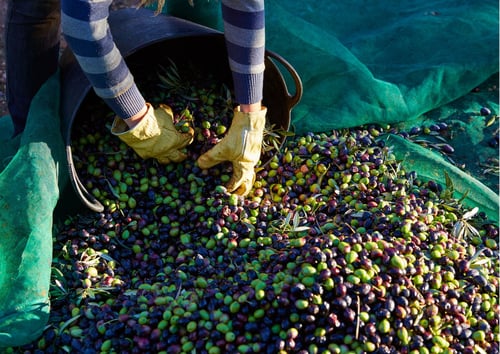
86	30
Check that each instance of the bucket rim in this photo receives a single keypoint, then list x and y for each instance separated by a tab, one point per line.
72	75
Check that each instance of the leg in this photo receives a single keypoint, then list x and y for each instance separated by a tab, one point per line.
32	51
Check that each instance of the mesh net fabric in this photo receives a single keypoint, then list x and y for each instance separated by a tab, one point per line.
361	62
29	190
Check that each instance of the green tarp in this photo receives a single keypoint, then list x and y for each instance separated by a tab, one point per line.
34	172
403	63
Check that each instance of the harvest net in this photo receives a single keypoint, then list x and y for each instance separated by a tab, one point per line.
421	77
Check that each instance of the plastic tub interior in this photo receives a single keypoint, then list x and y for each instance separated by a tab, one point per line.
143	38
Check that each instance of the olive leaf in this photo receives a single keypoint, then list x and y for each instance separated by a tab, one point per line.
291	223
462	228
273	137
171	79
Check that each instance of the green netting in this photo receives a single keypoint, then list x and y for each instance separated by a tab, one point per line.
432	166
473	166
361	62
367	61
29	190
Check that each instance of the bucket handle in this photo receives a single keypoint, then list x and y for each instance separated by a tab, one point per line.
295	98
88	199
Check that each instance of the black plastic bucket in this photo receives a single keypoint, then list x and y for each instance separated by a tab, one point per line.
142	37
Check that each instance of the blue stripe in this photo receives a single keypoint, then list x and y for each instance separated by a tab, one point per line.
92	48
244	19
246	56
248	88
111	78
85	11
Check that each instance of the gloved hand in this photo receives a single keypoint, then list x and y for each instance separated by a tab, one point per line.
241	146
155	136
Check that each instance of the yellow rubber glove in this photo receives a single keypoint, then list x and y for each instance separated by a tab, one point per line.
155	136
241	146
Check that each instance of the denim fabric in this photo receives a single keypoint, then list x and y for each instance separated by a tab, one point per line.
32	51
